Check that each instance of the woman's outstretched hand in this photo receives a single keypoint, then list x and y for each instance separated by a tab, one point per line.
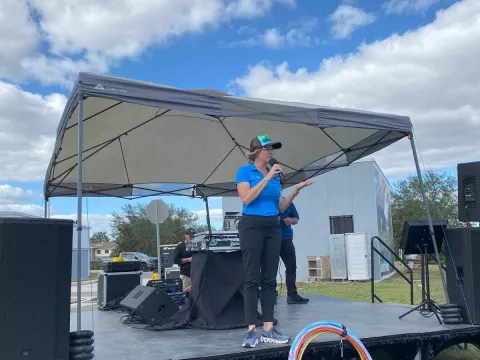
303	184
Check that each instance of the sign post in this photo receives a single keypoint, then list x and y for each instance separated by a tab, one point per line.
157	212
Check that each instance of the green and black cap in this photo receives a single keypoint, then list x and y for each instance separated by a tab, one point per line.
263	140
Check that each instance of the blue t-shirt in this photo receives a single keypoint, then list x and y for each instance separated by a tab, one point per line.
287	231
266	203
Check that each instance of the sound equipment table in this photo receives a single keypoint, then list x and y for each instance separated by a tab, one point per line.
216	295
219	241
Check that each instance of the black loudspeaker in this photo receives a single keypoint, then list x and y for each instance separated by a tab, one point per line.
464	246
468	175
35	282
153	305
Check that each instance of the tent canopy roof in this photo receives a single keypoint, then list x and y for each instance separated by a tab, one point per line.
142	139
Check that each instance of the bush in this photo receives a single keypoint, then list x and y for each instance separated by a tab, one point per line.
96	265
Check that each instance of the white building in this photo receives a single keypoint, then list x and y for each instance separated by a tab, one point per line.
353	199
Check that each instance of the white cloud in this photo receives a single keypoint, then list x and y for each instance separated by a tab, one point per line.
253	8
28	124
275	38
407	6
346	19
94	35
96	222
430	74
11	199
13	195
62	70
28	209
215	215
18	37
246	30
122	28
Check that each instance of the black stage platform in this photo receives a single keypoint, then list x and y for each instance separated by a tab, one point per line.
375	324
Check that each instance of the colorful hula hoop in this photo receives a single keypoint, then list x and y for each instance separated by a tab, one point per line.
310	332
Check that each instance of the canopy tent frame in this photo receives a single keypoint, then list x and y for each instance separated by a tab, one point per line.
217	191
219	106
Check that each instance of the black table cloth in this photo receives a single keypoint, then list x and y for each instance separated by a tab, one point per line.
216	295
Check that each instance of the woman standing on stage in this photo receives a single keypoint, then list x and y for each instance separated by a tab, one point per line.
259	188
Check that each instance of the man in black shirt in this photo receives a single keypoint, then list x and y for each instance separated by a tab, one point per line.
183	258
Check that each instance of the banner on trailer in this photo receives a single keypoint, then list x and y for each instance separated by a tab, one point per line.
384	220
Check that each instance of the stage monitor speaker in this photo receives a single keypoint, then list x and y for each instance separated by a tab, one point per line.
35	281
464	245
468	175
416	237
151	304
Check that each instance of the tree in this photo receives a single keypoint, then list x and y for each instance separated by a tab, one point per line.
134	232
99	237
407	201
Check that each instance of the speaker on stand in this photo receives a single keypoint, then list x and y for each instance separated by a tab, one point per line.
35	283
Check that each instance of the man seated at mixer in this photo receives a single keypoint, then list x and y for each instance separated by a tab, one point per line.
183	258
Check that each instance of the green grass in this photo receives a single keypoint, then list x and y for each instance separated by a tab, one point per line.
395	290
93	276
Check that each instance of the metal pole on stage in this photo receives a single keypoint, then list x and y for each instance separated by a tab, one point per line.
208	216
159	258
429	218
79	209
207	209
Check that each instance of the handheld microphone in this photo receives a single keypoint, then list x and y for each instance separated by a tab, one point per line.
274	161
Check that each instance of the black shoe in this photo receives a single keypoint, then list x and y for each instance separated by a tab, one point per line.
296	299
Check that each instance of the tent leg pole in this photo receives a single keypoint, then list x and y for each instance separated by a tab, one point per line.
79	210
45	210
429	218
208	216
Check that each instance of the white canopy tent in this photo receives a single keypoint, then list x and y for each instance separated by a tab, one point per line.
124	138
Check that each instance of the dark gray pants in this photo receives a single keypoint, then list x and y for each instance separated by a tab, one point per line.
289	258
260	243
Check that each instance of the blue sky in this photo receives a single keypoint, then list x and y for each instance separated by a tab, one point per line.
377	55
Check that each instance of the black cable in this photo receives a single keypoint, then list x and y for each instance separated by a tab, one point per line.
134	321
114	305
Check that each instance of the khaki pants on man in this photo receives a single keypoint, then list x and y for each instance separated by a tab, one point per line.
186	282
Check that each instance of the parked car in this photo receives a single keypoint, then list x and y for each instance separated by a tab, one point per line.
147	263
